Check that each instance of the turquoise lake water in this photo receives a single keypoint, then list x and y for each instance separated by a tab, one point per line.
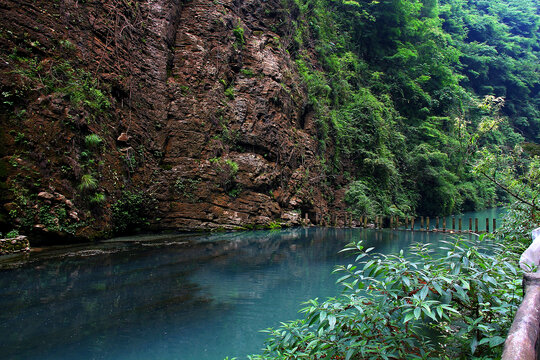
184	297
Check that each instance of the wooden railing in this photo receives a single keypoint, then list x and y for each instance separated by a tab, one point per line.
438	224
522	341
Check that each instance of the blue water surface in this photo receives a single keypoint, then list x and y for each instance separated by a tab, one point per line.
196	297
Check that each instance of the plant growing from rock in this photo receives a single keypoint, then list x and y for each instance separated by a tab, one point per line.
226	171
130	211
240	40
88	182
98	198
12	234
187	187
92	141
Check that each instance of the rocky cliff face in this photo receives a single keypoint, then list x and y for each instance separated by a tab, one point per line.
182	115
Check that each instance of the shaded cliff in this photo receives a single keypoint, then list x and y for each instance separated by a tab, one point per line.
169	114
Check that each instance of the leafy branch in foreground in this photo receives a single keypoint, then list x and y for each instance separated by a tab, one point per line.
512	172
457	300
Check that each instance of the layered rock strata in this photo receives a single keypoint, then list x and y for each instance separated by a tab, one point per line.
197	106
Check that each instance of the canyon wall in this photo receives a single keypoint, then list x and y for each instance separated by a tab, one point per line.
160	114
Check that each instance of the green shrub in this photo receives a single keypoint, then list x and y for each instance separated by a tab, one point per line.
466	292
12	234
238	33
98	198
130	211
274	225
232	165
187	188
88	182
358	200
229	92
247	72
66	44
226	171
92	141
519	221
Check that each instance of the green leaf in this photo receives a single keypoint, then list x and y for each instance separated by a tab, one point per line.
440	311
496	341
438	288
424	292
429	313
331	321
408	317
312	343
312	320
406	280
417	313
350	353
474	345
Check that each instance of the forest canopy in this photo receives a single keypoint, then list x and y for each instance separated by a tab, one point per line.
407	91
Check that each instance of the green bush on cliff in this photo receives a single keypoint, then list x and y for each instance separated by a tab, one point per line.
238	33
394	83
226	171
12	234
61	76
88	182
130	211
358	199
92	141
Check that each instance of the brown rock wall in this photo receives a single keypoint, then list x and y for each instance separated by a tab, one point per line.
206	112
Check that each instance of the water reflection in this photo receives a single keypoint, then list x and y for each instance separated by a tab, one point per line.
200	297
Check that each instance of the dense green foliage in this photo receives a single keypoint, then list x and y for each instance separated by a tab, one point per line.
457	301
467	293
398	87
500	54
423	100
517	173
130	211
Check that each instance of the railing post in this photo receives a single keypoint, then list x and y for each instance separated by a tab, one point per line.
522	339
470	224
444	224
412	224
453	223
427	223
487	225
476	225
459	224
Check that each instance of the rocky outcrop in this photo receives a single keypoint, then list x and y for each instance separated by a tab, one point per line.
15	245
197	106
